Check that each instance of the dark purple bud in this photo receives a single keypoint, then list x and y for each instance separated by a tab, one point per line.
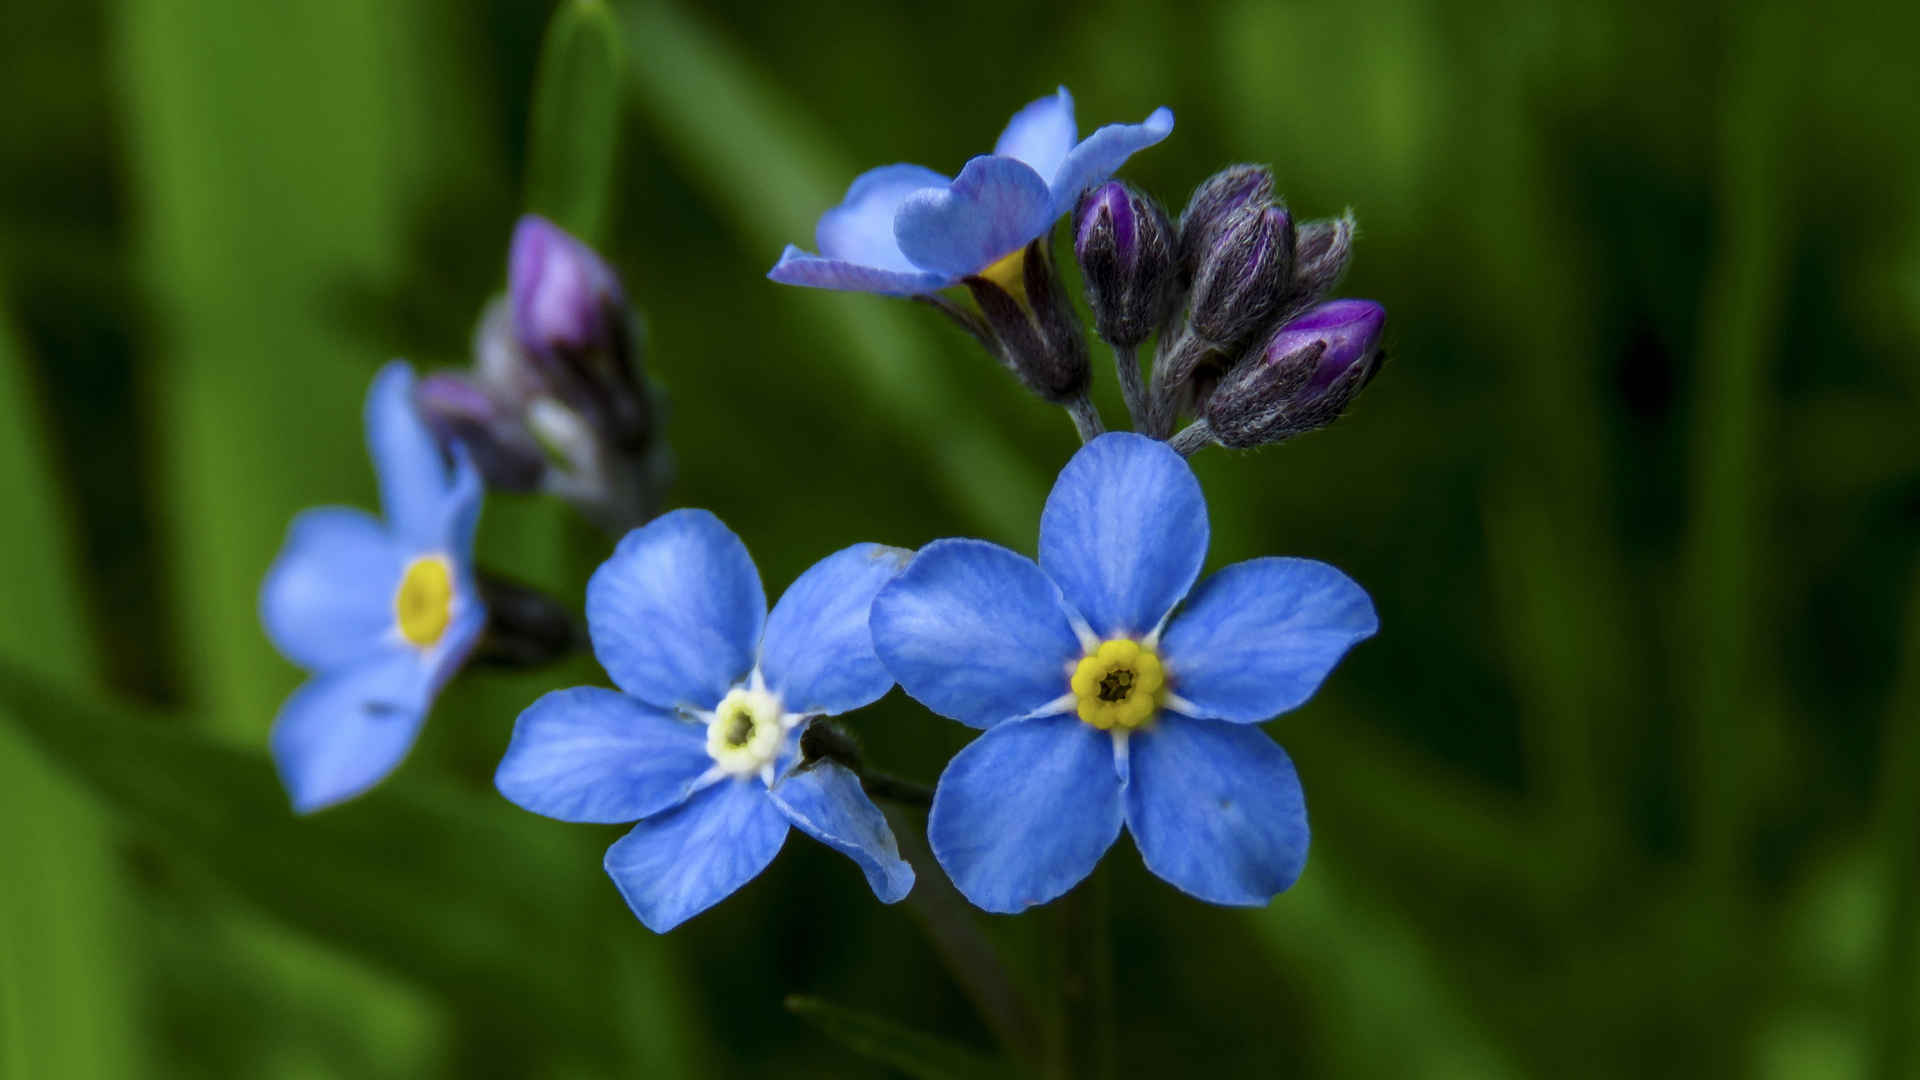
458	410
1241	277
1032	324
1302	378
1214	201
1125	247
1320	256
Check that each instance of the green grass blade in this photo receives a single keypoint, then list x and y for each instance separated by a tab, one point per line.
576	120
914	1053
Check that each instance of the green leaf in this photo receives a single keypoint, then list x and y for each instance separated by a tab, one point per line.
915	1053
576	120
495	910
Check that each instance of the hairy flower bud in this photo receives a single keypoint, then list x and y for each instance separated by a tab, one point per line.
1033	325
1302	378
1214	201
459	409
1242	274
1125	247
1320	255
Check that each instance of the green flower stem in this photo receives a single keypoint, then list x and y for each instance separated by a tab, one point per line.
1126	365
1083	1048
1086	418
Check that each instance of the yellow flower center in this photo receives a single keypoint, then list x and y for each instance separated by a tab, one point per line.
744	735
1119	685
1010	273
424	602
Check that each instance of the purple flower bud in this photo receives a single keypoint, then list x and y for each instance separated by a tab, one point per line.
1302	378
1242	275
1320	257
1214	201
1125	247
459	410
1032	325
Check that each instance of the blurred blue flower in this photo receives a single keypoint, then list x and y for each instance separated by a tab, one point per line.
381	614
700	744
1102	706
903	230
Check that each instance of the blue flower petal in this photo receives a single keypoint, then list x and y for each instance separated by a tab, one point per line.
860	229
975	632
345	730
1100	153
1257	638
1024	812
825	801
444	660
1124	533
414	481
1040	134
675	865
818	652
992	209
328	598
796	267
675	614
1216	810
459	507
594	755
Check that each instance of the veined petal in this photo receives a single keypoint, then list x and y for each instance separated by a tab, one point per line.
995	206
818	652
677	864
796	267
1216	810
675	614
860	229
1024	812
413	473
975	632
1040	134
594	755
345	730
1257	638
1100	153
328	598
826	802
1124	533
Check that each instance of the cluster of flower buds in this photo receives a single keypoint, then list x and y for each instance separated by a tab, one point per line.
557	401
1251	357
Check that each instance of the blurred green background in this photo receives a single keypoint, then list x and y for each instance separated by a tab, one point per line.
1629	783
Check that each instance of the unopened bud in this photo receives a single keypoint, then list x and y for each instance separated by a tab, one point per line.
1125	247
1033	324
1241	276
1320	256
459	410
1302	378
1214	201
525	627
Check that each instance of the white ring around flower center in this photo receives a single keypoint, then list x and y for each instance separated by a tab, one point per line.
745	733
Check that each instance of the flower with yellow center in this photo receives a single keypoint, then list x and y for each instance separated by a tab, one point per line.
1119	685
423	604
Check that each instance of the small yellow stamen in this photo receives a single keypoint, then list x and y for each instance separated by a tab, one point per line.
1010	273
423	604
1120	684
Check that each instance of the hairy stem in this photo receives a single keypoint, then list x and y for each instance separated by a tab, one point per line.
1086	418
1126	364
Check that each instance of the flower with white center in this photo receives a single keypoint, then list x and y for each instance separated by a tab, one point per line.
1103	705
700	745
381	614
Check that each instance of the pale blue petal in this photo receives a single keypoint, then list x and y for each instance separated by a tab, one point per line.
459	508
1100	153
345	730
860	229
992	209
328	598
818	652
796	267
675	614
1124	533
1024	812
826	802
975	632
677	864
1257	638
1040	134
444	660
413	472
1216	810
594	755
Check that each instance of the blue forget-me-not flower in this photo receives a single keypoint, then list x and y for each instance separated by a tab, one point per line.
904	230
1102	704
382	614
700	743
